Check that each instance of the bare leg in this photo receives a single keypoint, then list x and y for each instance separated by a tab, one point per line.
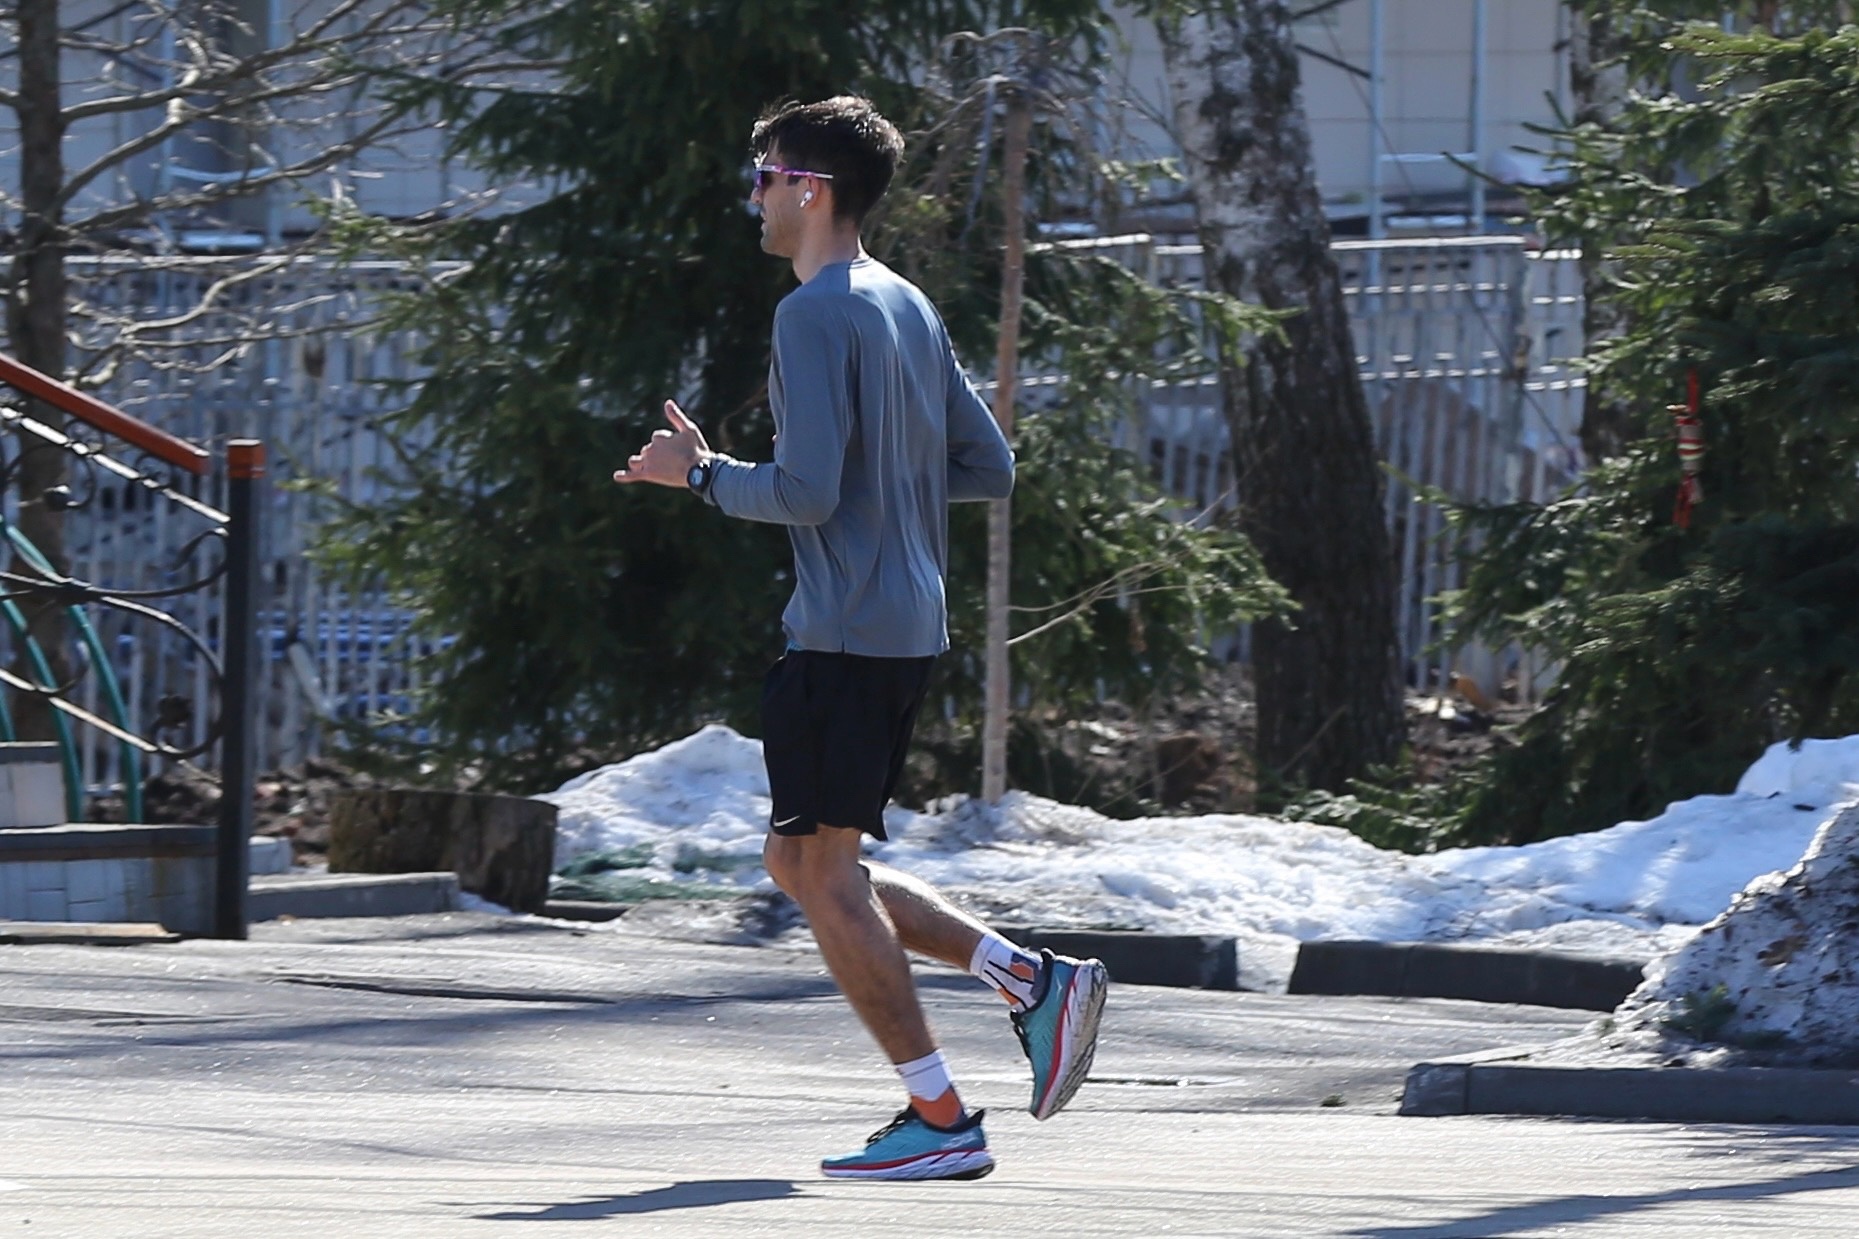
926	922
856	937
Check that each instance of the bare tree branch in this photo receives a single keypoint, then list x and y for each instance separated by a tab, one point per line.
177	67
179	119
210	70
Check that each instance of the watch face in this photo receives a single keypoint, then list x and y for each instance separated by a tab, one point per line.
695	478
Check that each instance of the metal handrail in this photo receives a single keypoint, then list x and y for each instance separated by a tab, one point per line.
107	418
132	745
234	530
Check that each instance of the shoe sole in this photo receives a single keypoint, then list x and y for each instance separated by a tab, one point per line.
965	1164
1077	1037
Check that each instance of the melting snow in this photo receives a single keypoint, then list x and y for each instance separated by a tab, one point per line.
695	812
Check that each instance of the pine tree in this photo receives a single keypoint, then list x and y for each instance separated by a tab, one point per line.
582	623
1689	643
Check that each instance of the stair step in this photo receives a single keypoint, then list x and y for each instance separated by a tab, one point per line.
270	854
301	895
83	933
32	785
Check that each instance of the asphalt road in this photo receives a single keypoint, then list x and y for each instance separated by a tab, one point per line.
461	1076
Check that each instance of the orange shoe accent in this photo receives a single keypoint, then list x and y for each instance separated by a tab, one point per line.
943	1111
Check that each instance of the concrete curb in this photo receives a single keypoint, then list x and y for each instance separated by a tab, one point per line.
1187	961
1480	974
584	910
350	894
1505	1082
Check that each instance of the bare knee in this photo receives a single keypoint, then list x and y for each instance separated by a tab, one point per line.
809	869
779	857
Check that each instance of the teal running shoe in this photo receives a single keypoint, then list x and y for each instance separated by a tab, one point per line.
1059	1031
909	1148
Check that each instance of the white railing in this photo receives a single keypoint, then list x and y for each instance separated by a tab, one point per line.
1464	347
290	358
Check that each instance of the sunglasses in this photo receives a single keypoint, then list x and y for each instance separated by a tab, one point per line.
765	172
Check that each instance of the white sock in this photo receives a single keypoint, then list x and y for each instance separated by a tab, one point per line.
926	1077
1012	970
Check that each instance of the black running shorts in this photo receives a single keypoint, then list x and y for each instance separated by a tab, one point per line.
835	729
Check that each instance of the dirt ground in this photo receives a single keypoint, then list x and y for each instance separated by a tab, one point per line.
293	803
1190	757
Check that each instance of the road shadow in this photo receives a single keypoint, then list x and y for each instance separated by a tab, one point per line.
1552	1215
696	1194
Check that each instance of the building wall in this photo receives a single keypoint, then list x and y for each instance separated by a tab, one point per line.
1426	92
1426	110
405	176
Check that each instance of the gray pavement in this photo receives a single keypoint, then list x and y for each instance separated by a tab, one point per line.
459	1075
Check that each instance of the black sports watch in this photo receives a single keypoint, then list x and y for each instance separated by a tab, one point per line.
699	478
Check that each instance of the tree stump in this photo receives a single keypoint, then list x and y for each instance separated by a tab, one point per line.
501	847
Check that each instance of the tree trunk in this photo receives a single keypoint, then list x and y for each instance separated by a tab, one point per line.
1329	689
1599	84
501	847
36	324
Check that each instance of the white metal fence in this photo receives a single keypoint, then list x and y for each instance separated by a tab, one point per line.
1466	350
1464	345
288	358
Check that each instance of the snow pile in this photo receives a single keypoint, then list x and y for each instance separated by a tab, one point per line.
706	791
1780	967
1817	768
1775	976
694	812
1680	868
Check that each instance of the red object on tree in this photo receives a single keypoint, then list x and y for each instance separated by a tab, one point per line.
1690	453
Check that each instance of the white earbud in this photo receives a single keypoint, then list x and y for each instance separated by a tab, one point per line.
806	198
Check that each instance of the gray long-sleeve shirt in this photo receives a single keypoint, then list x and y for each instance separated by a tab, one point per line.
878	430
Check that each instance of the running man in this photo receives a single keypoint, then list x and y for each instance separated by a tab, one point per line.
878	430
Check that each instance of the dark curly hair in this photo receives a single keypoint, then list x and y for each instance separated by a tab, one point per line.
844	136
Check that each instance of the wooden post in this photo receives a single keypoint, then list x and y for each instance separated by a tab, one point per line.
1017	135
